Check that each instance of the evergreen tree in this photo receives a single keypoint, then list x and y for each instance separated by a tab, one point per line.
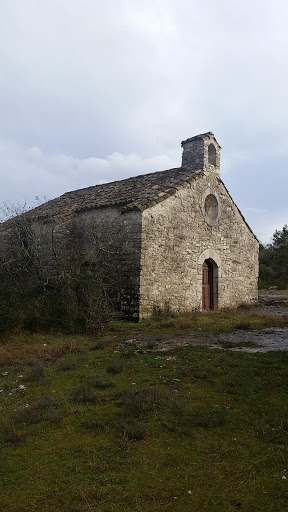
273	260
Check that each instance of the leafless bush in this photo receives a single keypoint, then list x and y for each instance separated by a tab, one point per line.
133	431
50	281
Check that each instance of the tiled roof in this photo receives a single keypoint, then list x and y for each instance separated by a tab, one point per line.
138	192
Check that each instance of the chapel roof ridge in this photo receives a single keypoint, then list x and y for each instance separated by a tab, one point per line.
134	193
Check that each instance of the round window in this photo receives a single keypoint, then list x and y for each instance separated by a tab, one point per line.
211	208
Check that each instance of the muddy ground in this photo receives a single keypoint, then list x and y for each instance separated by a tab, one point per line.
265	340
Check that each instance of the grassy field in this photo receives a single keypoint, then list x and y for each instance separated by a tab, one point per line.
87	426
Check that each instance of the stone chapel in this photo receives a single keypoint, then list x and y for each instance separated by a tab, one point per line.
184	244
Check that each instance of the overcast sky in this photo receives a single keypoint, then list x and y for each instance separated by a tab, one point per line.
94	91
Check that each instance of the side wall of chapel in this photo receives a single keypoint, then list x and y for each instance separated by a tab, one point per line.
102	241
112	239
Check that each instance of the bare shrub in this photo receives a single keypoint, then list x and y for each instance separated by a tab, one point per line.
137	403
9	434
208	416
35	373
53	416
34	413
84	394
96	382
66	365
100	345
133	431
129	352
47	286
93	423
115	367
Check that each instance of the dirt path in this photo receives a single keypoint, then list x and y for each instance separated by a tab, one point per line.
264	340
252	341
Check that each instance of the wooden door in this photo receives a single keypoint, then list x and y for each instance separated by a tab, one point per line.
207	286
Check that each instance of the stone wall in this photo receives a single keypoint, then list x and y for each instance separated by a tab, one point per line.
118	236
103	241
180	233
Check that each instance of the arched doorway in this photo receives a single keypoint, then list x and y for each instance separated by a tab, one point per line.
209	285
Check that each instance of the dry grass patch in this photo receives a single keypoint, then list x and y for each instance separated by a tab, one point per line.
33	349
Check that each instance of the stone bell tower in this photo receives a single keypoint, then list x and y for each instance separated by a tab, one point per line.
201	152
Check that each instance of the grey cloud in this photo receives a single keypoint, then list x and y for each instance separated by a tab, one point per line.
83	81
35	173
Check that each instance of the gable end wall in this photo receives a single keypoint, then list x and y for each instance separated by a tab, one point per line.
176	239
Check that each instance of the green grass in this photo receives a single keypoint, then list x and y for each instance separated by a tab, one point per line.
85	428
213	321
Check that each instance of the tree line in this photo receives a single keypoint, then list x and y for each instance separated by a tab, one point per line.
273	261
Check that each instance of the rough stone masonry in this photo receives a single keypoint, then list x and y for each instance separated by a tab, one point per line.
178	239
